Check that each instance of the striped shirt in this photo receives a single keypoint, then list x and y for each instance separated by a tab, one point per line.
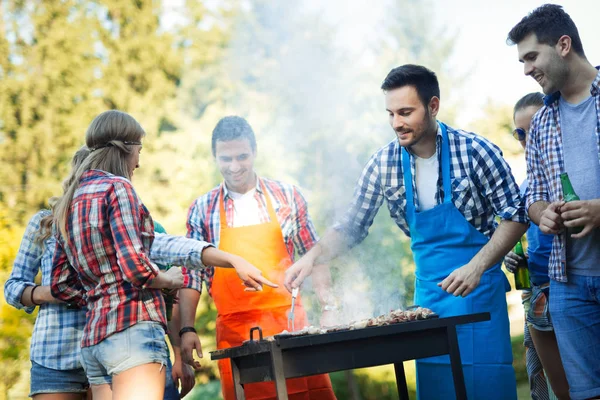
204	222
110	237
545	163
482	186
56	337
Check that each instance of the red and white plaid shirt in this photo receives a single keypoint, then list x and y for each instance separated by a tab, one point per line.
110	233
204	220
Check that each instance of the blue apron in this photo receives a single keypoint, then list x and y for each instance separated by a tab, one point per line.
442	240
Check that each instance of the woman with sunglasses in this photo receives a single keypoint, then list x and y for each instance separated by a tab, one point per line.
544	366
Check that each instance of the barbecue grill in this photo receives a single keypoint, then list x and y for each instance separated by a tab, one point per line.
287	356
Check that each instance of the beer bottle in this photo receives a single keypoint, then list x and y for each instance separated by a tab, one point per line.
569	195
169	298
522	271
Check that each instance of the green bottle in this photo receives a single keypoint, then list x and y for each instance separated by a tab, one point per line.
569	195
522	271
169	299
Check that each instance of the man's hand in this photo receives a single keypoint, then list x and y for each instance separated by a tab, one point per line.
250	275
511	261
551	221
297	273
189	342
462	281
184	373
583	213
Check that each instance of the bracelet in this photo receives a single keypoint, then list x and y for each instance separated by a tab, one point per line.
186	329
31	295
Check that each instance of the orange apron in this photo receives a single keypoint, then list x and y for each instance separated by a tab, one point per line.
238	311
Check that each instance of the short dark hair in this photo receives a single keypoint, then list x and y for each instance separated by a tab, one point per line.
531	99
423	79
549	22
232	128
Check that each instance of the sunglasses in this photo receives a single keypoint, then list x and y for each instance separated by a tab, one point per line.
519	134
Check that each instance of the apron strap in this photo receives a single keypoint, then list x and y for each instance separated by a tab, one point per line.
408	179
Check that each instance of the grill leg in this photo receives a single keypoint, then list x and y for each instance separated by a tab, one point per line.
239	389
278	375
455	363
401	381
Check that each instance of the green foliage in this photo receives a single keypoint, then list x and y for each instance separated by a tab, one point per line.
317	121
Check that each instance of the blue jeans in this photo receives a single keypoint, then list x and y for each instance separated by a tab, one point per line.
575	311
171	392
47	380
142	343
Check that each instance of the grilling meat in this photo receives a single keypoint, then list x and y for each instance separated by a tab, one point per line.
393	317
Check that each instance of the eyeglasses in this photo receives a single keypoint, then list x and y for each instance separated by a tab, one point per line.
519	134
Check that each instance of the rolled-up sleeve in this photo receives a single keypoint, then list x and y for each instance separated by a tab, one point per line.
181	251
65	284
26	265
368	198
124	216
304	234
497	182
538	184
195	231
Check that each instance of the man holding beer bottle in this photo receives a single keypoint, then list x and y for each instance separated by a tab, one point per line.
564	137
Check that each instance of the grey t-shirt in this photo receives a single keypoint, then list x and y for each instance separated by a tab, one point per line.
578	124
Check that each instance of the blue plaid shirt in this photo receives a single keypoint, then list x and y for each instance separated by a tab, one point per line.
482	186
56	339
57	333
545	163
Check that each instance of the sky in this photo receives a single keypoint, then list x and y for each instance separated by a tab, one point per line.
491	67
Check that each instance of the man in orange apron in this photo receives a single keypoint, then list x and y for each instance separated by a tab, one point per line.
265	222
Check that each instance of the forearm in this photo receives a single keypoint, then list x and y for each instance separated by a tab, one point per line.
188	303
331	245
218	258
535	211
501	242
41	295
174	327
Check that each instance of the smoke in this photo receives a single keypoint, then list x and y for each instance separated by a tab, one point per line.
309	85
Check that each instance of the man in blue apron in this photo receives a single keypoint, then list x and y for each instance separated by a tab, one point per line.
443	187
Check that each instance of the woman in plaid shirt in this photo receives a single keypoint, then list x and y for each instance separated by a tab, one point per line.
55	364
105	234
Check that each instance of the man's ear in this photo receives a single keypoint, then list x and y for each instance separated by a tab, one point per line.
434	106
564	45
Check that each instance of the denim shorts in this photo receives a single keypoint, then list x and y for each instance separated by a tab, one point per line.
575	311
142	343
537	308
48	380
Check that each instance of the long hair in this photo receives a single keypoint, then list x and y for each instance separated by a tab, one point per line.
109	138
45	230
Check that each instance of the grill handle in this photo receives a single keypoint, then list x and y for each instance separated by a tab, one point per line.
256	328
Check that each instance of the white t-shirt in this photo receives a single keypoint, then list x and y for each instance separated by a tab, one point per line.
427	170
245	208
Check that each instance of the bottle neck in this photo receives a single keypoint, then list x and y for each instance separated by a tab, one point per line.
566	185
